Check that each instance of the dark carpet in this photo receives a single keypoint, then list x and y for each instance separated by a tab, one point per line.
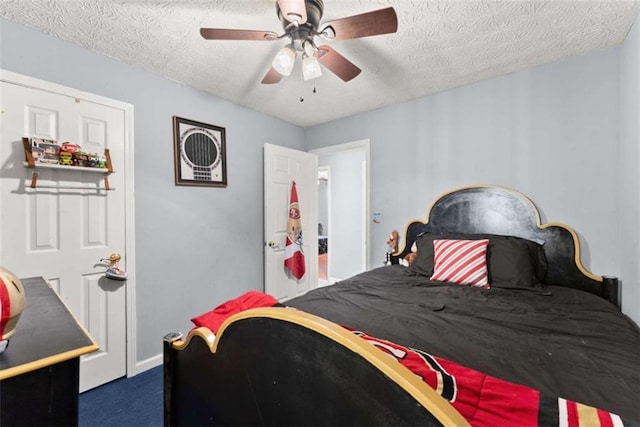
135	401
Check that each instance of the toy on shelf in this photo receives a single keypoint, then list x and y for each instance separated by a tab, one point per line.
47	153
66	158
114	272
80	157
102	161
69	147
48	150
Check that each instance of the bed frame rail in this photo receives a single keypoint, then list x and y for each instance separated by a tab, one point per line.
280	366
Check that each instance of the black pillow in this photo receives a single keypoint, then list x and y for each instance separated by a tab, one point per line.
513	262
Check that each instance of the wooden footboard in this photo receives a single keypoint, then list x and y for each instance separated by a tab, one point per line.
280	366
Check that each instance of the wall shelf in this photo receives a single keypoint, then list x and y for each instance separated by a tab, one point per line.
32	164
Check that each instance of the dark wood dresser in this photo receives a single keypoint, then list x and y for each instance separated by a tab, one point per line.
39	371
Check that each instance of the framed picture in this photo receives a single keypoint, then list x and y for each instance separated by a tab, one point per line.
200	153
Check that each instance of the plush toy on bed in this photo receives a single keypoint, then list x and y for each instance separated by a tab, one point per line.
408	259
393	247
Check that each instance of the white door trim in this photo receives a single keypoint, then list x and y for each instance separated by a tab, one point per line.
363	144
26	81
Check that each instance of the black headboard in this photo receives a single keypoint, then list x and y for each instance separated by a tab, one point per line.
503	211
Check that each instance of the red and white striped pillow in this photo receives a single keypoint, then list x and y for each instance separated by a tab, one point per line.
463	262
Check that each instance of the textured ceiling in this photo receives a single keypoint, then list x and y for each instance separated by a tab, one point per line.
439	45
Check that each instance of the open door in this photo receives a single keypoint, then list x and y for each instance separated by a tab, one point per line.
282	166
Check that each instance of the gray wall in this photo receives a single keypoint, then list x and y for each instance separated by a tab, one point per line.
551	132
629	219
195	247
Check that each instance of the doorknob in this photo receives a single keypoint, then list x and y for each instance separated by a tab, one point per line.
273	245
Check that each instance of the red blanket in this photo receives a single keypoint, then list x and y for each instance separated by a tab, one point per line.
488	401
481	399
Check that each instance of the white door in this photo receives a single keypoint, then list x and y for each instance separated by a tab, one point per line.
61	229
282	166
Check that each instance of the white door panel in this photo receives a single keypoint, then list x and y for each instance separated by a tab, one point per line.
63	228
282	166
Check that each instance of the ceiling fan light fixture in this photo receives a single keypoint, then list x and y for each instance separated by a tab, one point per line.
284	60
309	48
328	33
294	17
311	68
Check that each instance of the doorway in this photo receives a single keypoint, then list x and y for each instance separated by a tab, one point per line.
324	173
345	229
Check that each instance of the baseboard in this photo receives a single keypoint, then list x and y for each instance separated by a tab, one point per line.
149	363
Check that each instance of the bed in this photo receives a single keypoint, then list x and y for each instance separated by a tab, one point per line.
531	337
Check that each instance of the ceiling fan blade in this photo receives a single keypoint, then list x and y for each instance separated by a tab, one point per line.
227	34
383	21
271	77
293	10
336	63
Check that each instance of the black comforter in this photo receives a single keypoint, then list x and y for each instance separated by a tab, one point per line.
565	343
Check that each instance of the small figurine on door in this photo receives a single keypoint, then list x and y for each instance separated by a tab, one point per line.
114	272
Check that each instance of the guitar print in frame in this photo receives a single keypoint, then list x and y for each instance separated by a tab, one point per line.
200	154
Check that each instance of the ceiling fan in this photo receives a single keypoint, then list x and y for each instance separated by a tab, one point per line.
301	21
